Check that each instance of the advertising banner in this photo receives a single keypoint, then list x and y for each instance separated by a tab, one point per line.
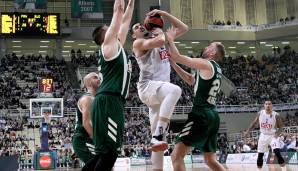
244	158
88	9
289	157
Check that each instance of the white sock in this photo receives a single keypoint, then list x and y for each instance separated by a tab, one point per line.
160	128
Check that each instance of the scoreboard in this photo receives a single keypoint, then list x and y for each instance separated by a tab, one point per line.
30	24
46	85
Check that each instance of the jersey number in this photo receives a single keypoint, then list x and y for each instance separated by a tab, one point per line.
214	91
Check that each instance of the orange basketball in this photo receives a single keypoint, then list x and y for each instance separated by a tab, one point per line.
152	22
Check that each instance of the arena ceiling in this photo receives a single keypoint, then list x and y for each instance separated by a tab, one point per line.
233	48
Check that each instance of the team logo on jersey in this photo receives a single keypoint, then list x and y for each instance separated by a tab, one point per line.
266	125
164	54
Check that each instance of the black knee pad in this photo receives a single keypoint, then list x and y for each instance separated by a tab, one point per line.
278	155
260	160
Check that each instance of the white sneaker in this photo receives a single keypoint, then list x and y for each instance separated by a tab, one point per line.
157	145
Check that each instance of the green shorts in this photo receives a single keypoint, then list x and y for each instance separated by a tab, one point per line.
201	129
107	122
83	147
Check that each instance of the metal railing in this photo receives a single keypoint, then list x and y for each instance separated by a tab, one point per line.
179	110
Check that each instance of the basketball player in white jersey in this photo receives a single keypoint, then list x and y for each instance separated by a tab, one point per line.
270	127
154	87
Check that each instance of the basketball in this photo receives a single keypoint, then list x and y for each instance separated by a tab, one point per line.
152	22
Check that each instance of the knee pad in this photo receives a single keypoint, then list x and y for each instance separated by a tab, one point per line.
157	160
278	155
260	160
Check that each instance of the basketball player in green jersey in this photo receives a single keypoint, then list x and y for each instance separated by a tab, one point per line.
108	106
202	125
82	139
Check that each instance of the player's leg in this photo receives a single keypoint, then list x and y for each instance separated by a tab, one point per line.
194	133
106	161
90	165
168	94
83	147
263	143
210	145
156	157
178	154
213	164
108	126
275	145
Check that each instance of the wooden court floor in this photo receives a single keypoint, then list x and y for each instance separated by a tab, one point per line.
202	167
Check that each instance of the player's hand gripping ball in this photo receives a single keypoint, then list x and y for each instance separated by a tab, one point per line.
152	22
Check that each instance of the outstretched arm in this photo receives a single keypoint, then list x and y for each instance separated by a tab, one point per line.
252	125
110	45
126	22
179	26
197	63
187	77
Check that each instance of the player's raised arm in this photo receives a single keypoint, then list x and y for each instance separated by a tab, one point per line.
126	22
110	45
146	44
196	63
179	26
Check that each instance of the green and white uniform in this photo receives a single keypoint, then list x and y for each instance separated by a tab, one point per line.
202	125
108	106
81	141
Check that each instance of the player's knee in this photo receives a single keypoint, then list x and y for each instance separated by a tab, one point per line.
176	91
176	157
260	160
280	159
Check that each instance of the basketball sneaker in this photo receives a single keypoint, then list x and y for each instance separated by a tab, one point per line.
157	144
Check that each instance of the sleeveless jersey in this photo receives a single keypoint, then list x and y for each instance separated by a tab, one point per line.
267	122
79	128
206	91
155	66
115	72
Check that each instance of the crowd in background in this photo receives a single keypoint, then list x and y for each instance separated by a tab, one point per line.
274	77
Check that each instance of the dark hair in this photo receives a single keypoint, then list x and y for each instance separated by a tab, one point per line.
97	35
221	49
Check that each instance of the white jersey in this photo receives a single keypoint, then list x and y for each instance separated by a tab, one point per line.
267	122
154	66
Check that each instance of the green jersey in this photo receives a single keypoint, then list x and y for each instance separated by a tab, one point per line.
116	73
206	91
79	128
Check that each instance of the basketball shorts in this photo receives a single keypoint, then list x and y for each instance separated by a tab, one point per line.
149	95
107	122
265	141
83	147
200	129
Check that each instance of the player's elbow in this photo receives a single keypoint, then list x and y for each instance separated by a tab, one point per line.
160	42
185	28
118	8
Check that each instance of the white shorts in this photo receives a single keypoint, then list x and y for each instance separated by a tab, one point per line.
265	141
149	95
